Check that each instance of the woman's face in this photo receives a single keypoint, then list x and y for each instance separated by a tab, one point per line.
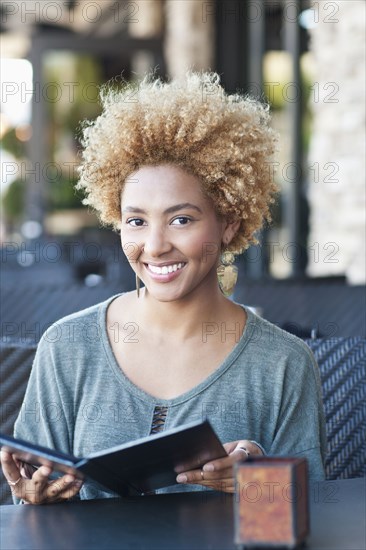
170	232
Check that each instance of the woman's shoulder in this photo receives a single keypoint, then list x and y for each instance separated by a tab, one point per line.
275	353
85	321
270	338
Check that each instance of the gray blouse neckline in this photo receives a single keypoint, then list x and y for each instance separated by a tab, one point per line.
148	398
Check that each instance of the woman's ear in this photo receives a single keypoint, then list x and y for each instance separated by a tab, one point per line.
230	230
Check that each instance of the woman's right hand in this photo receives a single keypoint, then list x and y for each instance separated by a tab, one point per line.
37	488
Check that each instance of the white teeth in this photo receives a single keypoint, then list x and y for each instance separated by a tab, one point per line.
165	269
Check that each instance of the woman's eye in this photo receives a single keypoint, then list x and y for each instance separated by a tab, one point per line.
135	222
182	220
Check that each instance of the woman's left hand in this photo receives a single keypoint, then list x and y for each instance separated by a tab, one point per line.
219	474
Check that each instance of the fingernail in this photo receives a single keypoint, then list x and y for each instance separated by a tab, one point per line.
182	478
78	483
208	468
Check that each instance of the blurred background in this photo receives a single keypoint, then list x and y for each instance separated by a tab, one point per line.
306	59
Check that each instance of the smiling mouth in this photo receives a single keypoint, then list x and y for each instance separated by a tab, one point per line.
165	269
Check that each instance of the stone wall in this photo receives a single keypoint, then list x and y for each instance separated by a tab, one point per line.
337	151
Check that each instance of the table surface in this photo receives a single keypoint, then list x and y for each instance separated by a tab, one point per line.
179	521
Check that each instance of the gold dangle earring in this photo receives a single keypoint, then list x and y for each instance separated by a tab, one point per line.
138	286
138	280
227	273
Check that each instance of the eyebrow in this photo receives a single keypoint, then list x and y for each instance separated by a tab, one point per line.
169	210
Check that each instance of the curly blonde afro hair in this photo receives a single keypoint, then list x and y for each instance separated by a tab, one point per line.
224	140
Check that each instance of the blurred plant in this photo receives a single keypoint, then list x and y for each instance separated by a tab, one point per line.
62	195
13	201
10	142
65	116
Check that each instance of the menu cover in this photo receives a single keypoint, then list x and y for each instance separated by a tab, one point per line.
136	467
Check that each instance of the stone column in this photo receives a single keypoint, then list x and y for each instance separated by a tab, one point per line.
146	19
336	160
189	36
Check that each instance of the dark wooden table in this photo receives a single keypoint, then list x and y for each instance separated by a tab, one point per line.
186	521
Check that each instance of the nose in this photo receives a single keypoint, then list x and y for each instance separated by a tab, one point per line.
155	242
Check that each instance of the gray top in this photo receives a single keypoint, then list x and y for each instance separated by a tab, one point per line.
79	401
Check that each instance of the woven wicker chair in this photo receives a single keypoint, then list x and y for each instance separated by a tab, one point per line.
342	363
15	365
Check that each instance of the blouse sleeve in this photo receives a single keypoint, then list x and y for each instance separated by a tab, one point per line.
44	418
300	429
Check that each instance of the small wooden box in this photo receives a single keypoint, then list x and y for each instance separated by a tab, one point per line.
271	502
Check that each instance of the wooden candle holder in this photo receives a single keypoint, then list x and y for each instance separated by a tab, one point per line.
271	504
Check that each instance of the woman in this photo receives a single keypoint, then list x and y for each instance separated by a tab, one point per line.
181	170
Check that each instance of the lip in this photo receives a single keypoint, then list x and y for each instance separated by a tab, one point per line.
163	278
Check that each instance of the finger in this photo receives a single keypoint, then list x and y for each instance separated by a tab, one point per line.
242	450
27	470
224	463
249	447
41	475
9	467
40	490
225	484
63	488
72	489
241	453
47	489
31	490
200	476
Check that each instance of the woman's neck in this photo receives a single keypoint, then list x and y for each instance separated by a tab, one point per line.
186	318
